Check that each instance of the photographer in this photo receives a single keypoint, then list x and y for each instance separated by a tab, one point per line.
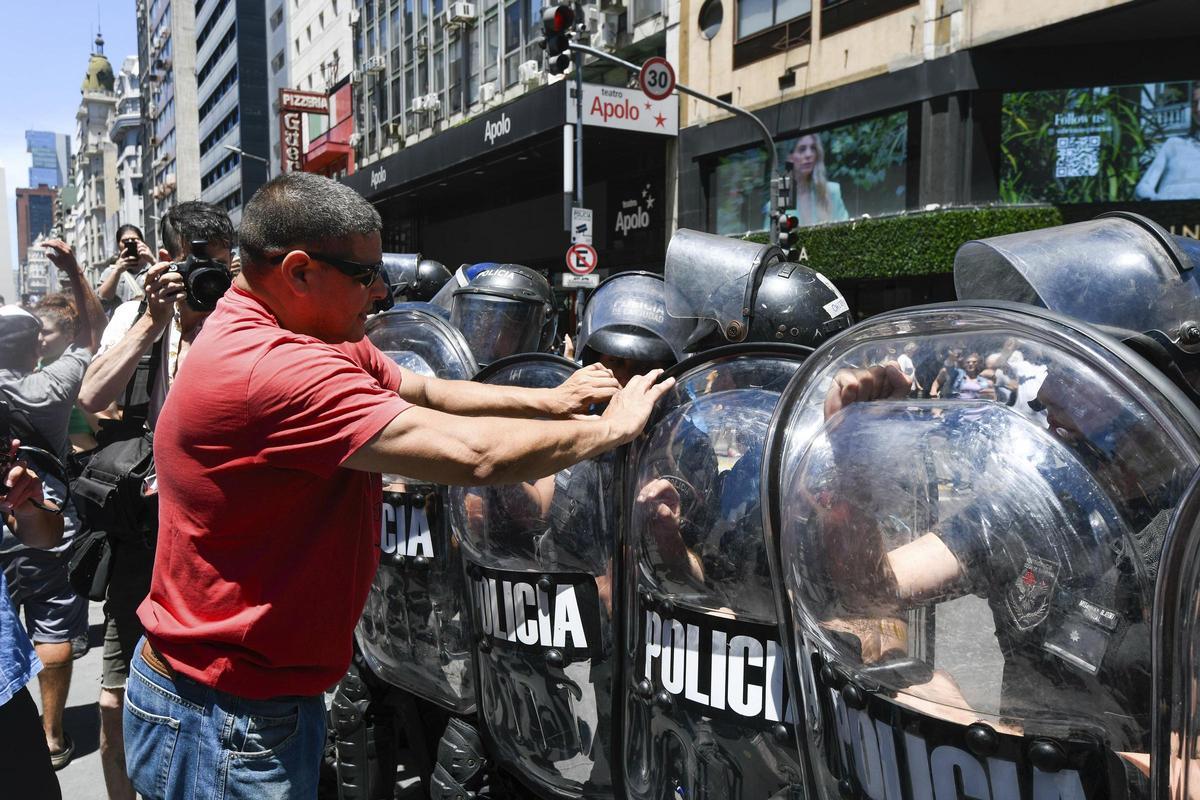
25	769
45	397
143	345
122	281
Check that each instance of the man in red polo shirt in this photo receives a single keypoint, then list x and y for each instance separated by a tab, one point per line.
268	450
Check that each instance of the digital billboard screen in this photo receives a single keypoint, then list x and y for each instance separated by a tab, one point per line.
837	173
1136	142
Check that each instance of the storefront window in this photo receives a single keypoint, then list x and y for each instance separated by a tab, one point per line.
837	173
1101	144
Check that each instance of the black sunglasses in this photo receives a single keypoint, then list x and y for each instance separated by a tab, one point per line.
363	273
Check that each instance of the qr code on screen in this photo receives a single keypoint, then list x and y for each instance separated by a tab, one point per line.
1078	157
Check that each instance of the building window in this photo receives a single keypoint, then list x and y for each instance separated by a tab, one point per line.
335	7
277	62
645	9
308	33
321	20
755	16
223	168
297	45
837	15
277	18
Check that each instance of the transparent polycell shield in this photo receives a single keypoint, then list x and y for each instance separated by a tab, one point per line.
539	559
706	705
414	630
968	582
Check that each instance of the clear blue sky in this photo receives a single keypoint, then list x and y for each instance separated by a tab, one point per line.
44	50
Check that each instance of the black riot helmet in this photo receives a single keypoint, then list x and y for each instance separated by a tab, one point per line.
746	292
626	317
413	278
1119	271
504	310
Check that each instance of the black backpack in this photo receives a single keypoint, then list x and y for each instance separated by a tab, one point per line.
109	493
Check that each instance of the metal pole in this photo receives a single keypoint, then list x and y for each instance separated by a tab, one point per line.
768	140
578	158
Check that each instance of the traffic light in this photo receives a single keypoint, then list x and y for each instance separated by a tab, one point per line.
556	27
788	233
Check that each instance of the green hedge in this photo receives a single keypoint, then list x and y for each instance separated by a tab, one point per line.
918	243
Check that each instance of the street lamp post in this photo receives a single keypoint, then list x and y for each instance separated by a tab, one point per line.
251	156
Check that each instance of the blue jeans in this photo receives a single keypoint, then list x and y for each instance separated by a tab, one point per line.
186	741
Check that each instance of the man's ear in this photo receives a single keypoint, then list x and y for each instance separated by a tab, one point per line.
296	269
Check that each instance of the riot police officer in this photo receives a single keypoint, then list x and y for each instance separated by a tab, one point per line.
705	703
504	310
547	700
625	326
996	633
413	278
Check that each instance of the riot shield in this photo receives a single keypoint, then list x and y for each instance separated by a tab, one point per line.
414	630
966	583
539	564
706	711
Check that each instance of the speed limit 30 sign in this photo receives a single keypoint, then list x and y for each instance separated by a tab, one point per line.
657	78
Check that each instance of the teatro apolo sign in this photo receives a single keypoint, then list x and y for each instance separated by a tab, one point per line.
293	105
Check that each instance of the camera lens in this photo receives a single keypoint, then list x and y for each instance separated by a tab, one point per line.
206	286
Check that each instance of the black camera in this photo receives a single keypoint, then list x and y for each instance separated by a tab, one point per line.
130	247
205	278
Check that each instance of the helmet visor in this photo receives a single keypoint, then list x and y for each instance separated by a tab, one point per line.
495	326
627	318
707	276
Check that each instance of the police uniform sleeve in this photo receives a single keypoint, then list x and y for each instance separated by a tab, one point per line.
315	406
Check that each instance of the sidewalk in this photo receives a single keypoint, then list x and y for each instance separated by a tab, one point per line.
83	779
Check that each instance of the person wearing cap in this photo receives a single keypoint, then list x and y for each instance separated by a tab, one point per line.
269	450
54	614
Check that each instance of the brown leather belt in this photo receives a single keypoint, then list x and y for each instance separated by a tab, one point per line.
156	662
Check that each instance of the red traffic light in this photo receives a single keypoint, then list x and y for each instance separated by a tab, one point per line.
557	19
788	222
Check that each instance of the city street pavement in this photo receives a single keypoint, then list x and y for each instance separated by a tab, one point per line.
82	779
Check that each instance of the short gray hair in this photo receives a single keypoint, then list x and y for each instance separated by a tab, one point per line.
298	209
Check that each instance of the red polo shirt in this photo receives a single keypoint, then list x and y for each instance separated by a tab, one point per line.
266	545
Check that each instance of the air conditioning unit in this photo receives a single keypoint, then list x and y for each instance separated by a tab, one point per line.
356	76
530	73
433	104
604	29
422	42
375	64
355	139
392	130
613	6
461	13
152	110
418	104
487	92
354	16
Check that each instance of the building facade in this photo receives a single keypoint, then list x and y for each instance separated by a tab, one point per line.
95	169
9	272
38	277
170	138
233	109
883	106
311	50
125	132
35	216
50	154
462	137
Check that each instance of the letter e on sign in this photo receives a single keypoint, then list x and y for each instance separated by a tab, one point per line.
582	258
657	78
